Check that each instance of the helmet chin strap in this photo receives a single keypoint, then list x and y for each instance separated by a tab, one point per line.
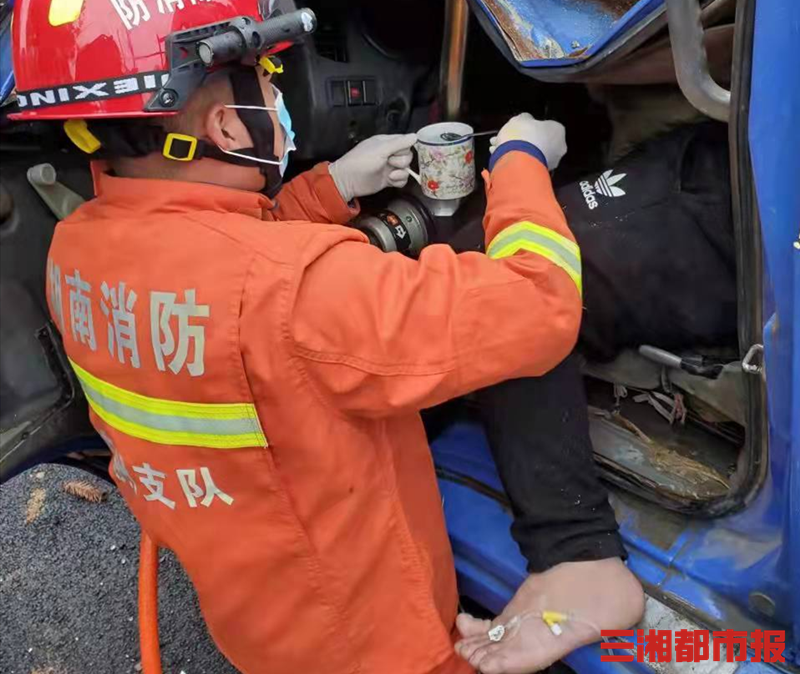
107	139
249	101
270	169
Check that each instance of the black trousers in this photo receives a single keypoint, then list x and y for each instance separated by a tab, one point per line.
538	430
658	268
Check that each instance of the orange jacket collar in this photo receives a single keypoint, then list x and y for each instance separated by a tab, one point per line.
150	196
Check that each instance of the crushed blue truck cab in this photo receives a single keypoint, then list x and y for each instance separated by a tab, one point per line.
553	33
740	571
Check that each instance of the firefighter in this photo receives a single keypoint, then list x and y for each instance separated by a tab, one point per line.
257	368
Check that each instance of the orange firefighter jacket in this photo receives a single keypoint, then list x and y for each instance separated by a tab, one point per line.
257	370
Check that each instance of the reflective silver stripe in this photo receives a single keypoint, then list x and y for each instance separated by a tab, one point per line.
172	422
542	241
574	261
165	422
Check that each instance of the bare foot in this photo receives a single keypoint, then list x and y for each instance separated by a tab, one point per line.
601	595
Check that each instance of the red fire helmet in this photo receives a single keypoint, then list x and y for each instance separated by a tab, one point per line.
112	58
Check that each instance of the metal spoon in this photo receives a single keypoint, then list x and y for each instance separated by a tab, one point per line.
452	137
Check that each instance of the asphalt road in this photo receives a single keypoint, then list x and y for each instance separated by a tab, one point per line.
68	586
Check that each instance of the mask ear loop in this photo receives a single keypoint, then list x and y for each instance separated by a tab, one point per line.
245	156
251	107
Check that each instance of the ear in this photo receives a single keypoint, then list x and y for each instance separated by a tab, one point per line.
224	128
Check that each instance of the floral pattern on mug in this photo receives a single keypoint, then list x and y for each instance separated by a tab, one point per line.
448	171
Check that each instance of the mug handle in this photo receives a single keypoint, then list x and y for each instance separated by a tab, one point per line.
415	176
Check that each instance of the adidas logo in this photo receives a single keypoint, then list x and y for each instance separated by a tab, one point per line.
605	185
606	182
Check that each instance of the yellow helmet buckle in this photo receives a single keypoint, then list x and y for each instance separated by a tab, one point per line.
172	138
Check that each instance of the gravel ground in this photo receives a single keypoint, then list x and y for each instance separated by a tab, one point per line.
68	586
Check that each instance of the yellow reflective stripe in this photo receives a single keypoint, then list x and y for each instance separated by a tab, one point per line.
542	241
531	247
178	437
170	422
525	226
159	406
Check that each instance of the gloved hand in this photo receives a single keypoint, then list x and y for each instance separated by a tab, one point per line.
372	165
549	136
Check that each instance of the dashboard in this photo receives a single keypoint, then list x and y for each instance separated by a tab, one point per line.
365	71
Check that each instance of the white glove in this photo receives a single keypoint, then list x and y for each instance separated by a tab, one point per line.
372	165
549	136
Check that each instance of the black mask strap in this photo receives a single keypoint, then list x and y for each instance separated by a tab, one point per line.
126	139
247	92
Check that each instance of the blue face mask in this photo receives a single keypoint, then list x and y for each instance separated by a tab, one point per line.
284	119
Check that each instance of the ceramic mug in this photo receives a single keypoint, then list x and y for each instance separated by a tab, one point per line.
446	168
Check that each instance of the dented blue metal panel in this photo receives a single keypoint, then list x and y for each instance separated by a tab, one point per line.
548	33
740	571
710	567
775	150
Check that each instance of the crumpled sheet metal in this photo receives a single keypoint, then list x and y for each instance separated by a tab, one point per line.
560	31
